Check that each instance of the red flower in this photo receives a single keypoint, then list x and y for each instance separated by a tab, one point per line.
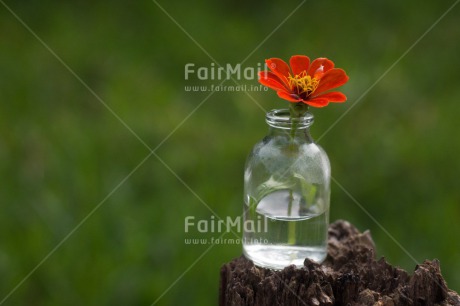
305	82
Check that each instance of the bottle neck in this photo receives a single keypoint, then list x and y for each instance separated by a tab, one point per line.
281	123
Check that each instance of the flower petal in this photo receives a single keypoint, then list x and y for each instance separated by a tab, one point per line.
279	67
334	96
317	102
299	63
270	80
288	96
317	63
331	79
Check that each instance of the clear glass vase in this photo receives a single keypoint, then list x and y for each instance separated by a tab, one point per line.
286	194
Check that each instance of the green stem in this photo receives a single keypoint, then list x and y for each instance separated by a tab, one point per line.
291	224
296	110
294	123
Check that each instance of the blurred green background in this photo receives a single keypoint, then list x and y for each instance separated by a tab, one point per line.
65	157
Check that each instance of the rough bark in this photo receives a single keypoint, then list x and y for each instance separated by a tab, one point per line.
350	275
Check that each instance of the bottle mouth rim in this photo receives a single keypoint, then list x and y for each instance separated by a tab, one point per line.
281	118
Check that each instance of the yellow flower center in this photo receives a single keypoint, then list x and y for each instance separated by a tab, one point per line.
303	83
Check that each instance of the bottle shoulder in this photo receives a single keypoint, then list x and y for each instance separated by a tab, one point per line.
285	146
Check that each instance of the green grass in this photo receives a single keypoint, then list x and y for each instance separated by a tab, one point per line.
63	153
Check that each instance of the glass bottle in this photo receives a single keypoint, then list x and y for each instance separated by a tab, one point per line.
286	195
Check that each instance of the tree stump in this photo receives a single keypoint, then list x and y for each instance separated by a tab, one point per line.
350	275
